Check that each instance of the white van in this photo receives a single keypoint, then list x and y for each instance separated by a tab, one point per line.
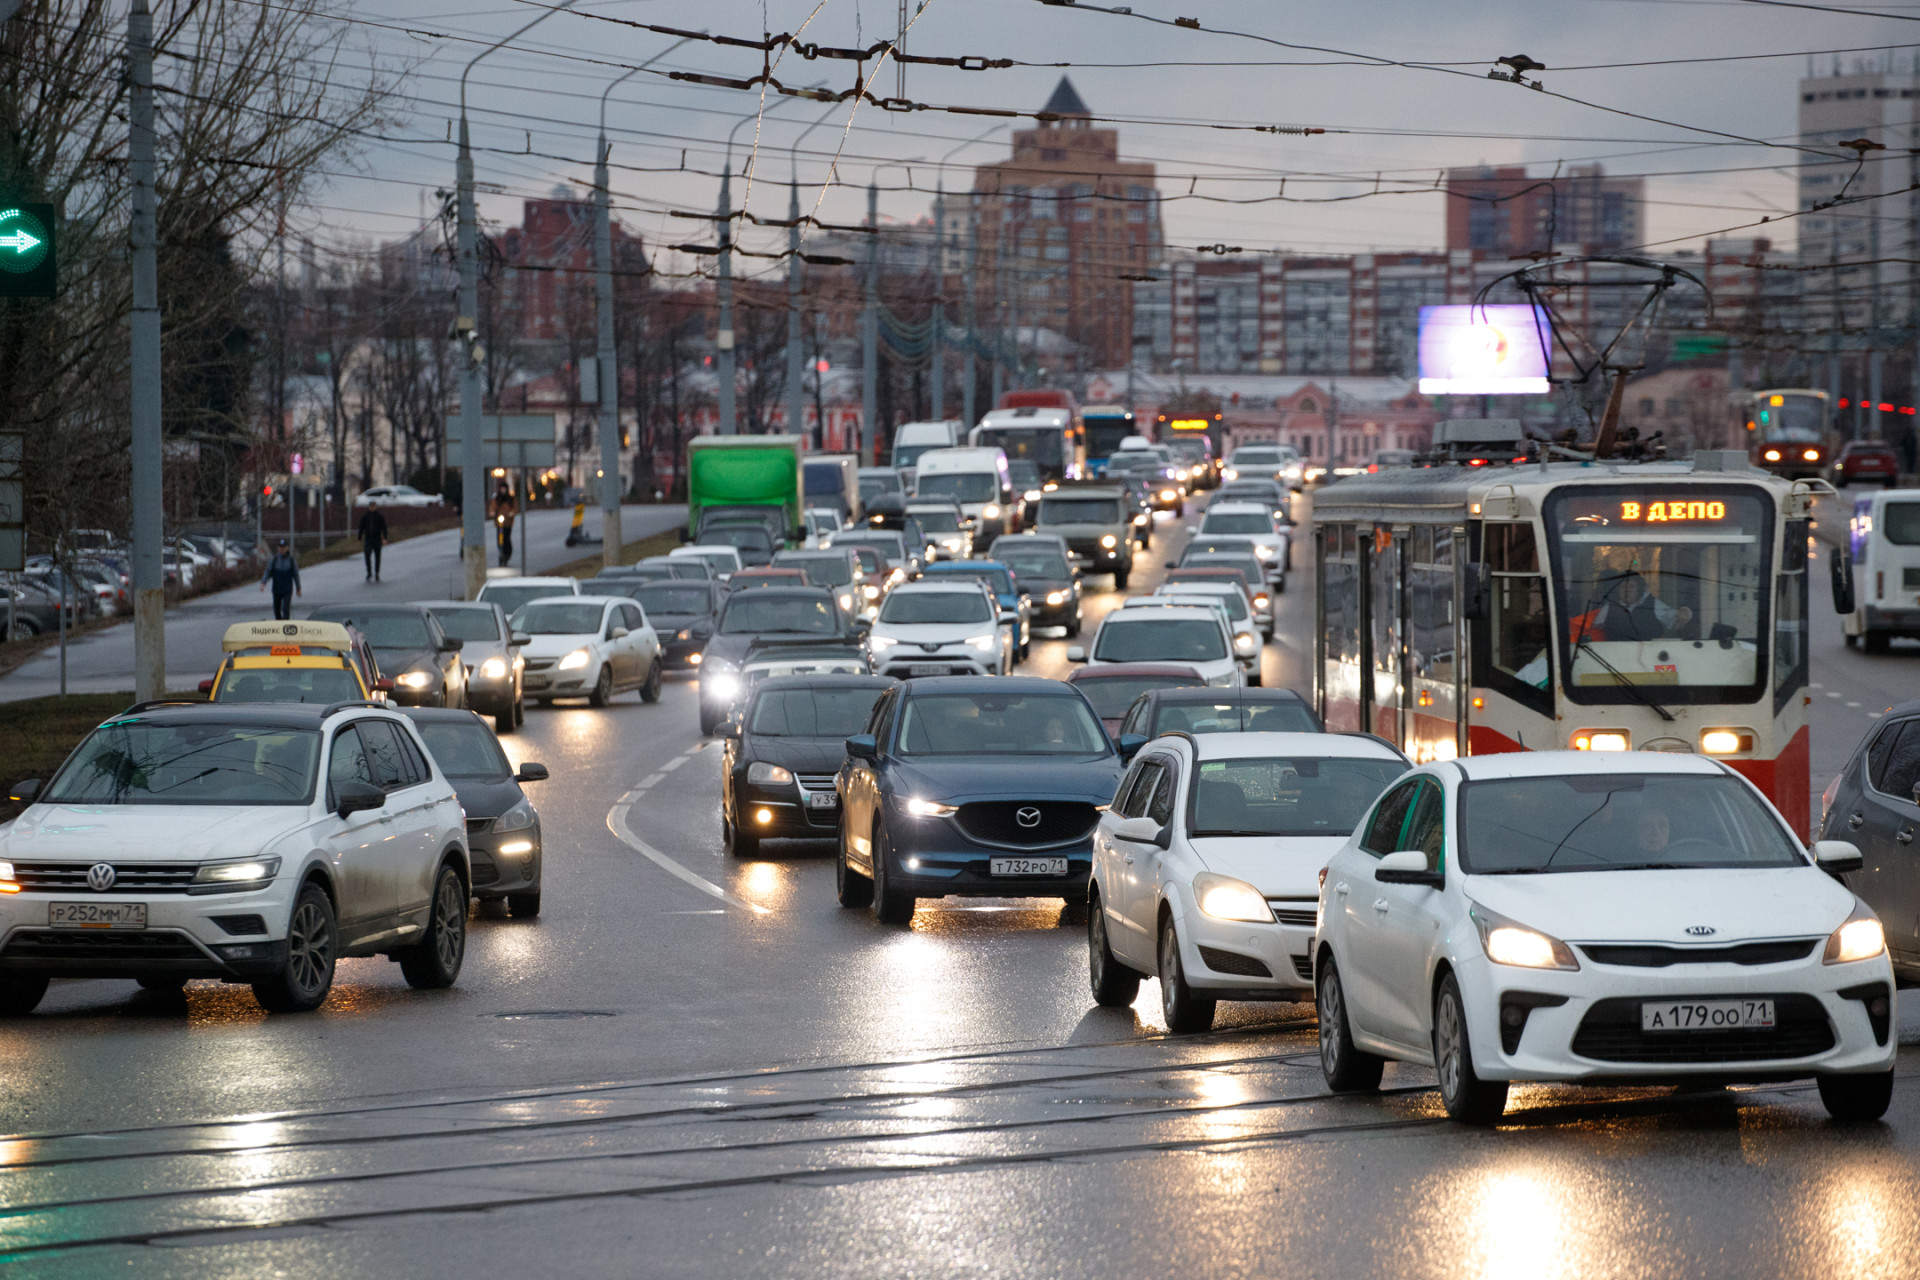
1885	537
911	439
978	480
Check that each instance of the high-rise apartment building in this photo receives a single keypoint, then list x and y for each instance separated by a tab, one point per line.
1883	107
1508	213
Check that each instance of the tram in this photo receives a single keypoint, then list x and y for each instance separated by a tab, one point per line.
1790	431
1602	606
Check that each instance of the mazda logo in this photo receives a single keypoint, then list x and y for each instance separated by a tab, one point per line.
100	877
1026	817
1700	930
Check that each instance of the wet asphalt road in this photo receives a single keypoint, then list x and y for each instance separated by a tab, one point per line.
697	1066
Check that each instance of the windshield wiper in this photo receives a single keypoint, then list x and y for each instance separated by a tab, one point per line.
1638	693
1202	834
1642	866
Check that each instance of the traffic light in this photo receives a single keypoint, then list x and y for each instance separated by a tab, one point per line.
27	258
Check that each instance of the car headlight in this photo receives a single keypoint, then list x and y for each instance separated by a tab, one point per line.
761	774
897	577
846	599
1510	942
1260	602
991	511
879	643
1860	938
1031	495
238	871
1056	597
1140	518
413	679
1229	473
870	591
514	848
1225	898
1243	642
984	644
493	669
1108	541
575	660
930	808
721	684
1262	550
1168	495
518	818
694	659
1180	475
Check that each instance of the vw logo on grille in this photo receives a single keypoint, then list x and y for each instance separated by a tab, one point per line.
1026	817
1701	930
100	877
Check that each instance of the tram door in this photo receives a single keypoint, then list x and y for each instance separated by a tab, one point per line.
1385	616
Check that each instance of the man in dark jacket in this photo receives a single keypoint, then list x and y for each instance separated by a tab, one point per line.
373	536
283	571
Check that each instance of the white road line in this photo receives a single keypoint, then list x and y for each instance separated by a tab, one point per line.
617	823
1853	704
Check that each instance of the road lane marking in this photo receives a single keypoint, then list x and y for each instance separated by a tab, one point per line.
1853	704
617	823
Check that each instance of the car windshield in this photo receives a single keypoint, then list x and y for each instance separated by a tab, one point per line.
759	611
1239	522
1025	474
905	455
998	581
917	607
559	618
813	713
822	571
465	749
511	598
747	537
667	597
324	685
1238	716
1160	640
1024	724
1900	521
937	519
1080	511
1616	822
890	547
390	630
872	486
1113	695
468	624
962	486
1256	458
136	762
1248	566
1041	563
1286	797
1232	601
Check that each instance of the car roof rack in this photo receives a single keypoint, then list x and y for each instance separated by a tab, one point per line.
153	703
332	707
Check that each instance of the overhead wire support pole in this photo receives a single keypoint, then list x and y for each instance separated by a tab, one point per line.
796	357
870	333
473	491
723	331
938	338
149	583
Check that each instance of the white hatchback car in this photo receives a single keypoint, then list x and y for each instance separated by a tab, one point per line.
254	843
1206	865
940	627
1574	916
1188	635
595	647
1272	540
1248	647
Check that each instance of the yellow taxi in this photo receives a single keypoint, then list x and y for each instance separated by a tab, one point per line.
321	662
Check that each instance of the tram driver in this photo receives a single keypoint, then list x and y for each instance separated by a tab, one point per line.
1628	609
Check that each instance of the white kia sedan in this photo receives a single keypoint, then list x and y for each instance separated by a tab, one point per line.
1206	865
595	647
940	627
1189	635
1578	916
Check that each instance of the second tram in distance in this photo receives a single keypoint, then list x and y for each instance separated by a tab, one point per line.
1790	431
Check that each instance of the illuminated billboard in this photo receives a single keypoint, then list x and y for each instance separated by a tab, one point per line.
1484	351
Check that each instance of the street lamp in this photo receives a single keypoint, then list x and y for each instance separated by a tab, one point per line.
796	393
466	326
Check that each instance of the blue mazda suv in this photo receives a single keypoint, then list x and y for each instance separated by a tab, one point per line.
979	786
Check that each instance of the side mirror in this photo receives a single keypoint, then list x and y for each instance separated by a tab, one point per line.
862	623
619	633
1130	744
1836	856
531	772
1408	866
1840	560
350	798
451	644
25	792
1075	653
730	727
383	685
518	638
1009	618
206	686
1477	605
1173	564
862	746
1143	831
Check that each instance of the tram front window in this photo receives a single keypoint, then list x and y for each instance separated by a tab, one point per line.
1797	419
1661	592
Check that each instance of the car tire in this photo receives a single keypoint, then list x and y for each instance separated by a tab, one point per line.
708	724
1467	1097
1120	579
1073	626
1114	985
890	905
1874	641
1852	1099
435	960
20	994
524	906
650	687
740	842
602	688
1852	642
1280	585
23	630
1184	1011
854	889
162	982
1253	679
505	722
1026	647
1348	1068
313	946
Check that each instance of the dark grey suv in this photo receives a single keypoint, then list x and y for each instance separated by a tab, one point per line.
1875	803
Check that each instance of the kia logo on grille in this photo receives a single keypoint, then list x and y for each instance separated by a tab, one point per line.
1701	930
100	877
1026	817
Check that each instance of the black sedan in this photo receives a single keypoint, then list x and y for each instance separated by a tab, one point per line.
413	651
682	614
783	753
1046	575
798	613
503	828
979	786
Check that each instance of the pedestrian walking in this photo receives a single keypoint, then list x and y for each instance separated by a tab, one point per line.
283	572
502	511
373	536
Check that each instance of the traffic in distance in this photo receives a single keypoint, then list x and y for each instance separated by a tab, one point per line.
1555	718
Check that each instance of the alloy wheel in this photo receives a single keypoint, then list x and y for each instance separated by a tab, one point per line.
450	921
309	949
1446	1034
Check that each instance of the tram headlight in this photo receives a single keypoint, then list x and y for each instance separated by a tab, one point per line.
1771	455
1811	455
1602	740
1726	742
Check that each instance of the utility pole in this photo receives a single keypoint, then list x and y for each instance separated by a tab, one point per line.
870	332
149	582
796	393
938	336
999	311
967	392
610	486
723	336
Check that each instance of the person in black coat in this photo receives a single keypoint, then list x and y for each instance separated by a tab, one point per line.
283	573
373	536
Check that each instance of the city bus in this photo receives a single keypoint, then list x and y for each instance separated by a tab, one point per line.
1790	431
1634	606
1050	438
1105	425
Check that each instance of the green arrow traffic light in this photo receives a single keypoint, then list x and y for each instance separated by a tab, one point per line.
26	251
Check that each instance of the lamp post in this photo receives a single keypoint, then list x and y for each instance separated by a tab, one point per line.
473	492
796	392
723	334
608	363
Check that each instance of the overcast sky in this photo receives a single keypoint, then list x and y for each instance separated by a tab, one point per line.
542	93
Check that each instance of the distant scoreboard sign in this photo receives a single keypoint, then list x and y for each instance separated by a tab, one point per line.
27	258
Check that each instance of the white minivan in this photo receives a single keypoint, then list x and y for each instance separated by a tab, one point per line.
976	478
911	439
1885	536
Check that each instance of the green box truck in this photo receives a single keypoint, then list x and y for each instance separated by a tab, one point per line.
739	481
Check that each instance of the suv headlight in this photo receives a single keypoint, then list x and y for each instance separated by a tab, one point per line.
930	808
1056	597
1225	898
1860	938
1262	550
1243	642
493	669
762	774
236	874
984	644
518	818
575	660
413	679
1510	942
1108	541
